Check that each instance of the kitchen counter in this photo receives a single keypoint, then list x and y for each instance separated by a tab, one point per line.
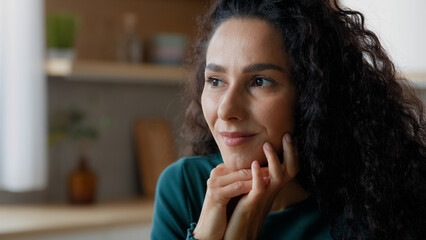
35	220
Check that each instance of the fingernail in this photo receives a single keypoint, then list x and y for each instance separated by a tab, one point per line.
287	138
255	164
268	146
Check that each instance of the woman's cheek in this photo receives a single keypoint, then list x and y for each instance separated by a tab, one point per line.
209	109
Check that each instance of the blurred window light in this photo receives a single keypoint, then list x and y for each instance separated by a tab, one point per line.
400	27
23	160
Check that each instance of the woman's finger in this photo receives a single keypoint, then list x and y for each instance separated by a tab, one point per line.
258	186
233	190
219	170
291	165
240	175
275	173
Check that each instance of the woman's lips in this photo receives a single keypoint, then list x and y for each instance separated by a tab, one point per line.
236	138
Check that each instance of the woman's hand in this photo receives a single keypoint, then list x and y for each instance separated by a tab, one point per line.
248	217
222	186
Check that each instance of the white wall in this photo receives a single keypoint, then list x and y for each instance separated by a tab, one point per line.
401	26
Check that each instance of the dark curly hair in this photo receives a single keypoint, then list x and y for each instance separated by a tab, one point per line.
359	127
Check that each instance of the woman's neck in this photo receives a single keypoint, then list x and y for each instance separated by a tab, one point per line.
290	194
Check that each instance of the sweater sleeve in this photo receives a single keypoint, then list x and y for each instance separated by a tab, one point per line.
171	218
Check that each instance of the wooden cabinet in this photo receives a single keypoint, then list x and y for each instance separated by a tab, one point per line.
134	232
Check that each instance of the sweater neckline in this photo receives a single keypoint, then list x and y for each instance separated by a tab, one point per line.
305	204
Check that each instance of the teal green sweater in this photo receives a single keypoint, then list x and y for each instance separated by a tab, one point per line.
180	195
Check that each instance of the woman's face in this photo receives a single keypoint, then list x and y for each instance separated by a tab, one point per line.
248	97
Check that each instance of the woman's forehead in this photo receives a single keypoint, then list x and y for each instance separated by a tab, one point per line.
248	39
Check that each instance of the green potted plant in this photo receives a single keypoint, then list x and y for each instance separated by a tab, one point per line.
61	31
69	124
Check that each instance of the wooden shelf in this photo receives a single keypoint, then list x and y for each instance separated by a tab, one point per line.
98	71
32	220
95	71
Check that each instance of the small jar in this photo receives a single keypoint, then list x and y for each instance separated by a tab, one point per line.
82	183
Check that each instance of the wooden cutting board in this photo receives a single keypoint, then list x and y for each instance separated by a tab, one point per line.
155	151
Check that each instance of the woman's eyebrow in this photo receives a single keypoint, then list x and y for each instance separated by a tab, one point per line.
262	66
250	68
215	68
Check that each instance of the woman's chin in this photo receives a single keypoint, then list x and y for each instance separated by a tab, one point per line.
238	161
232	165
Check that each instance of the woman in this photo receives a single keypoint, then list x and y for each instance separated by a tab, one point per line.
299	128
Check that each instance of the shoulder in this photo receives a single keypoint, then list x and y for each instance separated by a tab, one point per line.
180	194
199	162
188	175
195	167
186	180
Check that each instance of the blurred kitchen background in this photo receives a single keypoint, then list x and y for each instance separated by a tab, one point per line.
91	106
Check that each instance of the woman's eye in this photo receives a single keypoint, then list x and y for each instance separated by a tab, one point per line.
214	82
261	82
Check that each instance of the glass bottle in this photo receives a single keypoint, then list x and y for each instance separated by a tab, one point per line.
129	43
82	183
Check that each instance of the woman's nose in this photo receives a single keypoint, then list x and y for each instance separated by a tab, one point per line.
233	105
